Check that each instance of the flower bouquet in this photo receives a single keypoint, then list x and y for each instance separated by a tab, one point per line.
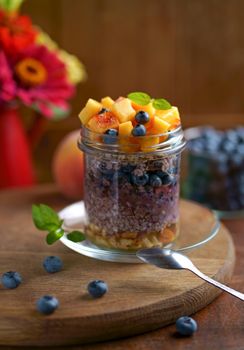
36	73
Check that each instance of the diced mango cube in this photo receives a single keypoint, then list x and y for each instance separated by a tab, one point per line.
128	142
107	102
147	108
171	116
91	108
148	142
123	110
125	129
160	126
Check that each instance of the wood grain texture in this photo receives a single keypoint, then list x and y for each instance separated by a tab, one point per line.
189	51
141	297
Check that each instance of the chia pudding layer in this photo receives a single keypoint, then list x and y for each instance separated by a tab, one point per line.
131	200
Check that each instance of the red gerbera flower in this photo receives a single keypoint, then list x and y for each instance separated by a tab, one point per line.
42	80
16	32
7	84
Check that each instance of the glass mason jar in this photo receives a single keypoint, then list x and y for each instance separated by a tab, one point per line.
132	197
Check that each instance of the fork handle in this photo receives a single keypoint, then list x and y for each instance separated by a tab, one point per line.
217	284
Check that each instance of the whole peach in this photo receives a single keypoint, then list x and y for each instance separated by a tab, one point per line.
68	166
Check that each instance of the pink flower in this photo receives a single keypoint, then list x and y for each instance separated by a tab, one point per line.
41	80
7	84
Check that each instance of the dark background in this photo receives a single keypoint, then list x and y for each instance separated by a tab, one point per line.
188	51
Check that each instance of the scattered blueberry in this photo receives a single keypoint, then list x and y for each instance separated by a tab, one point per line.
53	264
47	304
155	181
97	288
140	180
110	136
186	325
11	279
142	117
139	130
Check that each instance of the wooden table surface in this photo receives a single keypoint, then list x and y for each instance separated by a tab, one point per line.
221	324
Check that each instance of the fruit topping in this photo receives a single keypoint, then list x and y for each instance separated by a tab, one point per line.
103	110
125	129
110	136
139	130
101	122
160	126
123	110
135	115
91	108
142	117
107	102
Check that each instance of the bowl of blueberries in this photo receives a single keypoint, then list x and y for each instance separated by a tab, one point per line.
215	169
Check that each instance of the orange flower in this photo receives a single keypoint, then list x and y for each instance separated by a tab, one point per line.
31	71
16	32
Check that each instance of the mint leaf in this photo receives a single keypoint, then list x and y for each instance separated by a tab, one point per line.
45	218
140	98
76	236
161	103
54	236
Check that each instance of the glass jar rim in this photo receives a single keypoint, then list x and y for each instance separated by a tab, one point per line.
172	142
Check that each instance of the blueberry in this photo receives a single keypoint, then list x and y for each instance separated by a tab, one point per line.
155	181
97	288
110	136
186	325
166	178
128	168
52	264
103	110
142	117
140	180
47	304
104	169
139	130
11	279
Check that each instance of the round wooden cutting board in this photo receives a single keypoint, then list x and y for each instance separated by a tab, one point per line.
140	297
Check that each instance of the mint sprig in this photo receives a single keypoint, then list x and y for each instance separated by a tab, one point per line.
46	219
143	99
161	103
140	98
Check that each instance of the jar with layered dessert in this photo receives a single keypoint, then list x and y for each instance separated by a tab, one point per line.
132	173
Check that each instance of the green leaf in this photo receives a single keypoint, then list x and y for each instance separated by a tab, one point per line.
161	103
54	236
45	218
76	236
140	98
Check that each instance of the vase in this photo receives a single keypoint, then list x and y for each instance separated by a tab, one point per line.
16	169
